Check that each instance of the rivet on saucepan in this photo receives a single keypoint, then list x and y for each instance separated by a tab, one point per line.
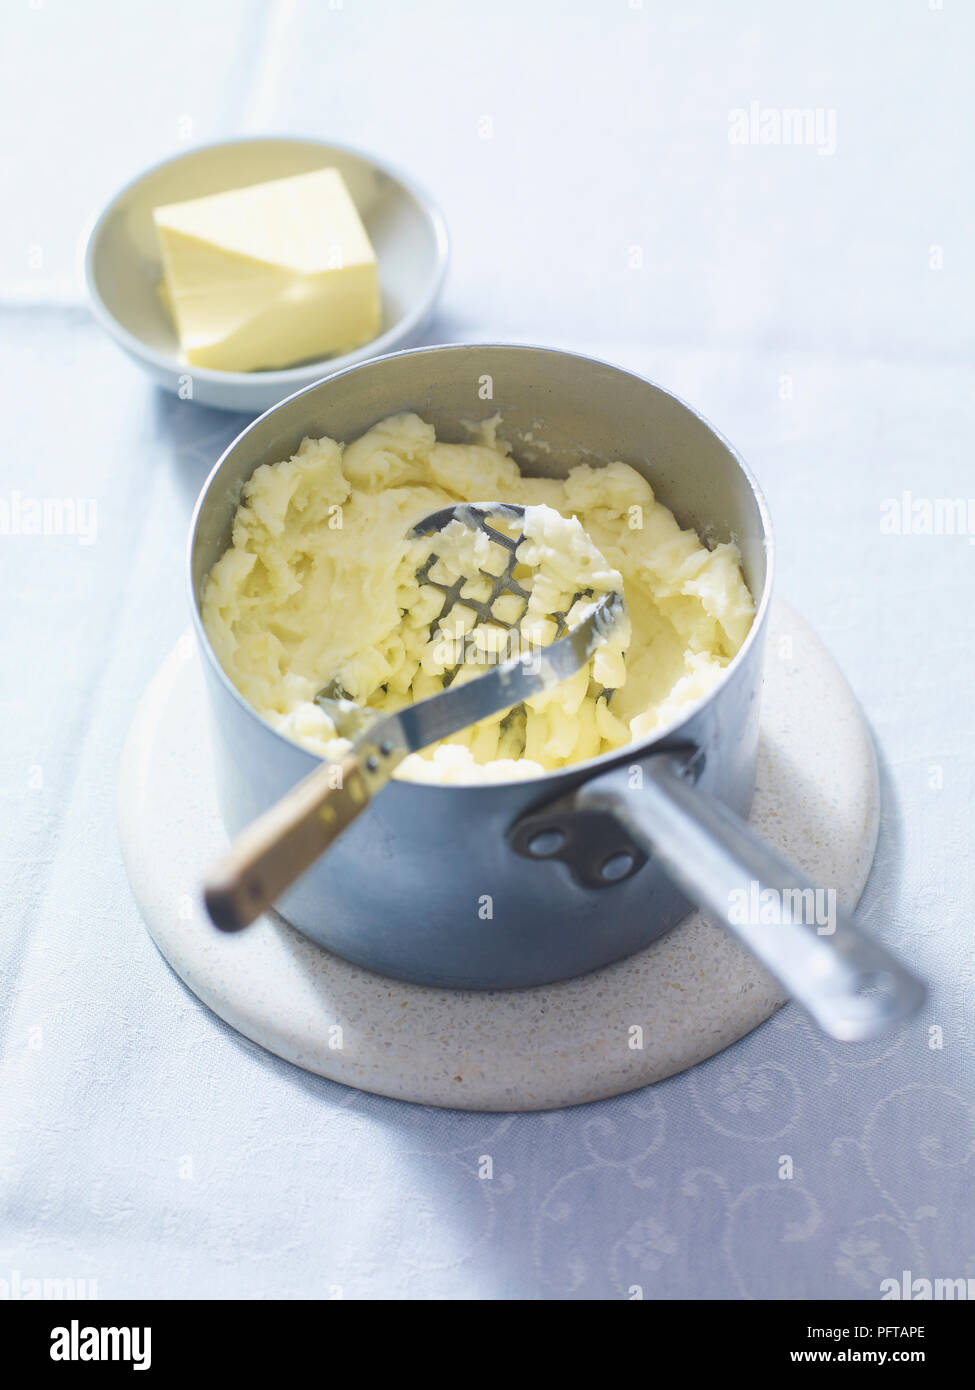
386	747
617	866
546	843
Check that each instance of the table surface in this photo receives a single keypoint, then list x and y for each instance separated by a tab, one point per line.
812	299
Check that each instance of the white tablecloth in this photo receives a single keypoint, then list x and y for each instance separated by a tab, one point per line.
816	304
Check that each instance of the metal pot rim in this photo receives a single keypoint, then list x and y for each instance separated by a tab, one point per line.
590	765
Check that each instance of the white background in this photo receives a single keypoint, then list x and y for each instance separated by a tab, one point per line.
817	308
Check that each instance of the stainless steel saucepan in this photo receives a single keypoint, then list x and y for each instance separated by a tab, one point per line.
522	883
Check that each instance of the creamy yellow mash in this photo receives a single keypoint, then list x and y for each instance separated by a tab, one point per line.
319	585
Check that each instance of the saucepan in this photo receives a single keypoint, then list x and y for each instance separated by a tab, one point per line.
522	883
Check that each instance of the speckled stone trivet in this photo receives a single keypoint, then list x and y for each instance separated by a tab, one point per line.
692	993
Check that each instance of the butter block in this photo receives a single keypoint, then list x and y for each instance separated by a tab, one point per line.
269	275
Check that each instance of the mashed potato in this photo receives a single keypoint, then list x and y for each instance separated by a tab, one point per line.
319	586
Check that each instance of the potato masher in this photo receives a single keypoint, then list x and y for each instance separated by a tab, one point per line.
280	845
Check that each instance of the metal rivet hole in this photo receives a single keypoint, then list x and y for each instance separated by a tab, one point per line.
546	843
617	866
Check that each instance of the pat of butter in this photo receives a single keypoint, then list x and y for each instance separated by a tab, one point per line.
266	276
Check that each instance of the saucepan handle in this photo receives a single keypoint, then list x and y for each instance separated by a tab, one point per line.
851	985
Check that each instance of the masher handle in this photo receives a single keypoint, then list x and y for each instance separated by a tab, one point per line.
279	846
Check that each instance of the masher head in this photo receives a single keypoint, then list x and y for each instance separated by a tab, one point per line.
495	595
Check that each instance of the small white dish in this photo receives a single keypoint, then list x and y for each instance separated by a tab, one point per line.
123	269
